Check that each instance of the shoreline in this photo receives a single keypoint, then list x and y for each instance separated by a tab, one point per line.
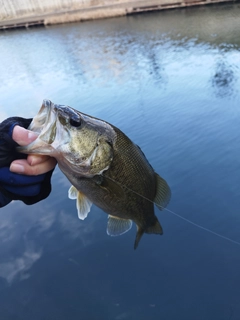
102	12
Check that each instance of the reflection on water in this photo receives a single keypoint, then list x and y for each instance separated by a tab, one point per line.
224	79
131	51
170	80
32	232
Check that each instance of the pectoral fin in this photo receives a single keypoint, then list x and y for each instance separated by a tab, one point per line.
82	202
117	226
163	193
110	185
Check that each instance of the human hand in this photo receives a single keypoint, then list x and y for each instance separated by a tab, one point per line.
32	182
34	164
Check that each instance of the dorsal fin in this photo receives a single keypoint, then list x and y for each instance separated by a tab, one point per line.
82	202
163	193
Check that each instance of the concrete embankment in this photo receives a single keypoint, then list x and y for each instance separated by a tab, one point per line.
44	12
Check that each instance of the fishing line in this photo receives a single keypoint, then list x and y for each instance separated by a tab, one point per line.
203	228
179	216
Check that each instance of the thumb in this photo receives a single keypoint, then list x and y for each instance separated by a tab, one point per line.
23	136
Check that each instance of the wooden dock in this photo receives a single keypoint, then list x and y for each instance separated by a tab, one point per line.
101	12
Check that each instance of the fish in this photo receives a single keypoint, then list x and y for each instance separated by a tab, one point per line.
104	167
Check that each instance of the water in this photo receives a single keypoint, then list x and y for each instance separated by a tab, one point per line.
170	80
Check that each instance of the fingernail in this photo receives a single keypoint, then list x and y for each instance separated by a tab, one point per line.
32	135
18	168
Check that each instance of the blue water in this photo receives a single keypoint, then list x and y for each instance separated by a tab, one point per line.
170	80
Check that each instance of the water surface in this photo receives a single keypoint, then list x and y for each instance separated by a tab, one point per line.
170	80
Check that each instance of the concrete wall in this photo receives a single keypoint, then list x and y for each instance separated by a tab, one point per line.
20	13
15	9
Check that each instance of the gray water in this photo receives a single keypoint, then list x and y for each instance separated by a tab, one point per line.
170	80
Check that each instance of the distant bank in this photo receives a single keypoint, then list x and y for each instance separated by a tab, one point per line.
14	14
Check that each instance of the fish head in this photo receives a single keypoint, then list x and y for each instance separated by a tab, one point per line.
80	143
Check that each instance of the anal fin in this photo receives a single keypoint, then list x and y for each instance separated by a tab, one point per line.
117	226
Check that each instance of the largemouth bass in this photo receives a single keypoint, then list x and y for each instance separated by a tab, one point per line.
104	167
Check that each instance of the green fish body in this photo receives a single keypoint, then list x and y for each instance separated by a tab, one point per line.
104	167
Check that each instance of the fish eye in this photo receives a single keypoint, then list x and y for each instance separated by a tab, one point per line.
75	123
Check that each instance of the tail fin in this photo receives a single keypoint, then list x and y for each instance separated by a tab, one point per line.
139	234
154	227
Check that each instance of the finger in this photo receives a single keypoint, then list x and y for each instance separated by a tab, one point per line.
36	159
23	167
23	136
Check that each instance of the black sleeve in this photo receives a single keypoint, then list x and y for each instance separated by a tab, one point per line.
8	146
8	153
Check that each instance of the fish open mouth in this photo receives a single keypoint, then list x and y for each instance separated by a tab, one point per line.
42	118
49	113
48	124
